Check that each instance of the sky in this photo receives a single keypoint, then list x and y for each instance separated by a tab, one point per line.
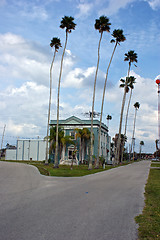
27	28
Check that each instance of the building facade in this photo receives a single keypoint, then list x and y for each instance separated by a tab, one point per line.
79	149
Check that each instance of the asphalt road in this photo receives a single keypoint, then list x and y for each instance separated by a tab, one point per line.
95	207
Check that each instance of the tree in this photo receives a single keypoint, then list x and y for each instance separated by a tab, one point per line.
79	134
62	139
137	106
140	147
109	117
126	85
56	43
131	56
102	25
83	135
85	138
52	137
118	37
69	25
115	140
131	86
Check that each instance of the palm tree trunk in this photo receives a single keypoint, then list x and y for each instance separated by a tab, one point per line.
94	90
56	150
125	131
49	108
120	129
80	150
104	90
140	150
132	145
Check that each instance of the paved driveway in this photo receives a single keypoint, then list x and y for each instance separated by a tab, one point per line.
96	207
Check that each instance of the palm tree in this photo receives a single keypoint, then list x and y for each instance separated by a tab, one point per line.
137	106
115	140
79	134
131	86
102	25
56	43
85	139
131	56
118	37
69	25
109	117
140	148
52	137
126	85
64	141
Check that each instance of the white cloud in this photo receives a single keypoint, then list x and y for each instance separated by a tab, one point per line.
77	77
29	61
158	77
35	12
31	10
154	4
145	92
25	60
114	6
84	9
24	110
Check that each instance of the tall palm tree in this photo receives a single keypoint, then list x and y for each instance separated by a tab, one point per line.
102	25
131	56
64	141
131	86
118	37
85	139
137	106
52	137
79	134
140	148
69	25
126	85
56	43
115	140
109	117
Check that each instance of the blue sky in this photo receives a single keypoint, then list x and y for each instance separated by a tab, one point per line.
25	57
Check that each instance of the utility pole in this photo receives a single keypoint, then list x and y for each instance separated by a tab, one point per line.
158	83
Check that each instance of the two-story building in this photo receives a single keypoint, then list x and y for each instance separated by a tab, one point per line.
79	150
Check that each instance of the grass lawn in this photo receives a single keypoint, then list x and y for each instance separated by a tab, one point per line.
155	164
63	171
77	171
149	220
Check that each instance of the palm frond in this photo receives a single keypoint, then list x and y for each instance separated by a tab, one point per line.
102	24
67	22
